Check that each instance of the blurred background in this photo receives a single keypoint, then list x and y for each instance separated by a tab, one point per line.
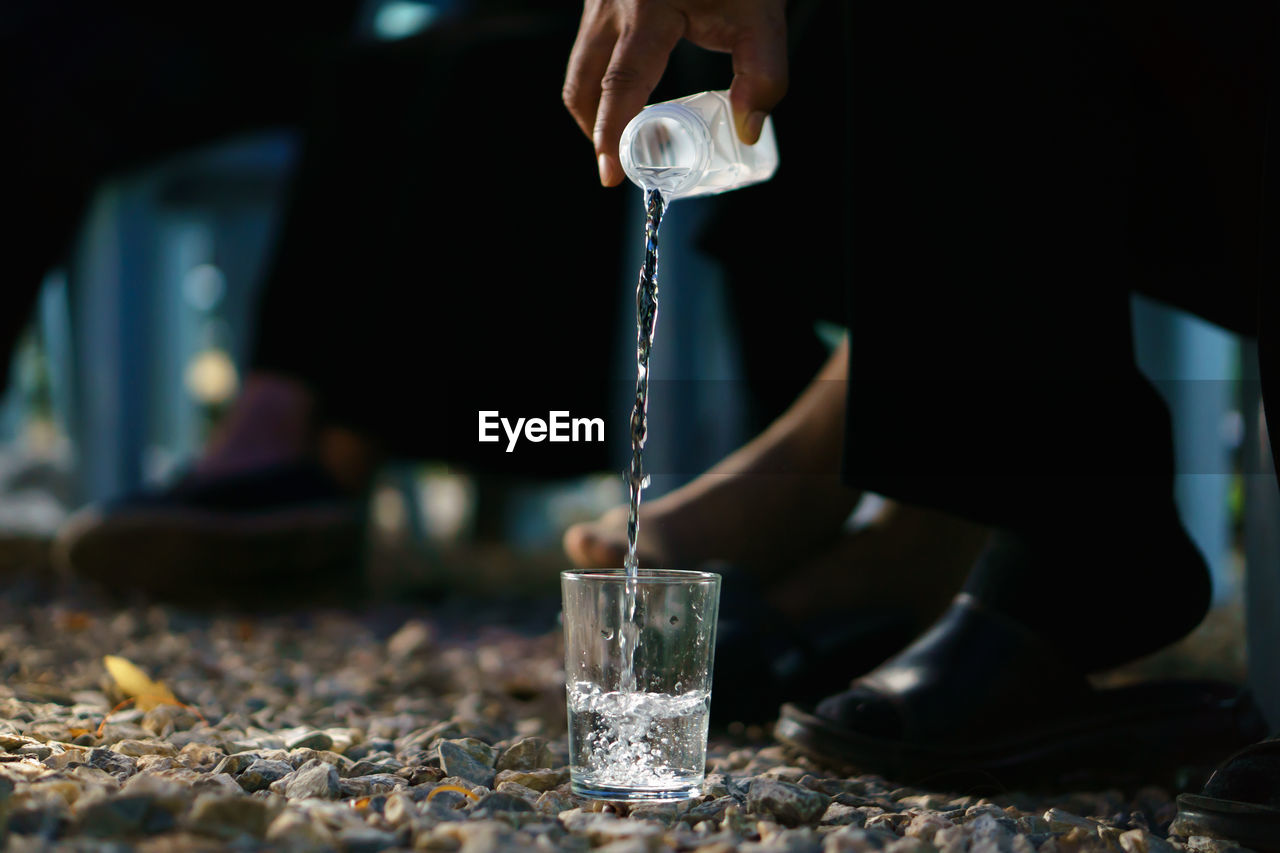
140	341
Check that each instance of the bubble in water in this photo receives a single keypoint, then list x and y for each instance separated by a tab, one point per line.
607	633
675	619
635	738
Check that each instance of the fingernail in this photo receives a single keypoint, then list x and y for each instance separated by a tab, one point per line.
603	163
753	125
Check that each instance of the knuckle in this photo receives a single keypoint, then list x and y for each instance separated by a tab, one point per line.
578	103
600	127
619	78
571	95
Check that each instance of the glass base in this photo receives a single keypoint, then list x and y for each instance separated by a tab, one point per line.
673	794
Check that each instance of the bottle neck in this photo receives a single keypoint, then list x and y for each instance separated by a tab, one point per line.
666	147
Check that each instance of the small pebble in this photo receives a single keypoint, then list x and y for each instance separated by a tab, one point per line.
346	731
313	780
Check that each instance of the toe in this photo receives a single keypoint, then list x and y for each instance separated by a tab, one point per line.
588	548
577	544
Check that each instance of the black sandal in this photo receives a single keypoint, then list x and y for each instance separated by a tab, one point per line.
1241	800
763	660
980	700
254	537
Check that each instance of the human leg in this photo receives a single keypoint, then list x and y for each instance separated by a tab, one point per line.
782	487
398	182
1241	800
776	507
991	214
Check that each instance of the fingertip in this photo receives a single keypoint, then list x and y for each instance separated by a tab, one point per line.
751	103
750	127
610	170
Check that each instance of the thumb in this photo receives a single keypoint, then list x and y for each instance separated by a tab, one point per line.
759	76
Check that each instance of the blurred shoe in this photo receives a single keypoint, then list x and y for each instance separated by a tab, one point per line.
1240	802
270	537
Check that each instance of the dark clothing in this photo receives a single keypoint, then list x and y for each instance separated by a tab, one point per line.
445	221
1018	171
1013	174
446	247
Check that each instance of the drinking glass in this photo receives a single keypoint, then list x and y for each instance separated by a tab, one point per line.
638	661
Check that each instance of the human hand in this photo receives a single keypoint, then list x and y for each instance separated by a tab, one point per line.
623	46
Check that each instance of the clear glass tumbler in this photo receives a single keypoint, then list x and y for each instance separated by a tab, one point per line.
639	688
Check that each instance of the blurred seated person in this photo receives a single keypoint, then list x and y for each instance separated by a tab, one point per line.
418	276
443	251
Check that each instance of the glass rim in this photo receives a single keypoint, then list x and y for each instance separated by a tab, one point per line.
644	576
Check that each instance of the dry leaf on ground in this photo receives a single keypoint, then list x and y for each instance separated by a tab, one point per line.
135	683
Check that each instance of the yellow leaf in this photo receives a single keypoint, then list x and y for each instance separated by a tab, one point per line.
440	789
132	681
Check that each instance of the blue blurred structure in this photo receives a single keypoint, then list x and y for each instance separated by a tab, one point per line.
1262	548
1196	368
166	269
1211	382
162	284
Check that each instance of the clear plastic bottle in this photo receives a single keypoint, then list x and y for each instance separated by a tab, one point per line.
689	147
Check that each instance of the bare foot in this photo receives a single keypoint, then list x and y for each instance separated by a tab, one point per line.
777	497
777	507
907	558
669	537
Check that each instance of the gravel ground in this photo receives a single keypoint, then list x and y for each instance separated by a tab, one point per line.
425	729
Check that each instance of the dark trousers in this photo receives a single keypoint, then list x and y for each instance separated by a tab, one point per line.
447	248
1016	173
